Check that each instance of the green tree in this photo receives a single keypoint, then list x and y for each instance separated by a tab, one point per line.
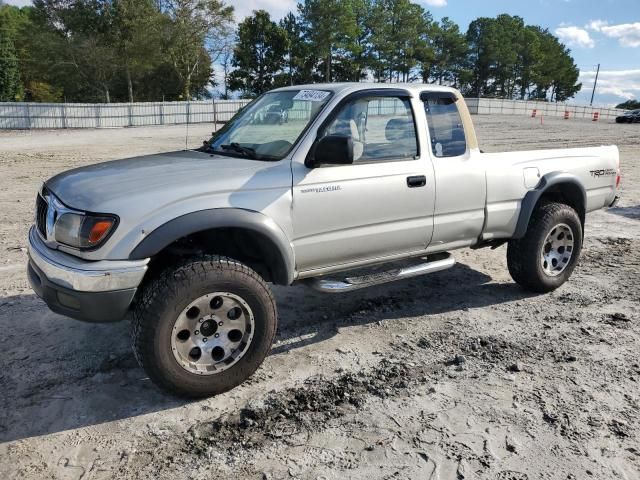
629	105
400	39
11	20
481	52
555	75
74	47
330	28
493	46
10	87
511	60
137	33
301	58
195	25
528	59
352	56
259	55
450	51
508	32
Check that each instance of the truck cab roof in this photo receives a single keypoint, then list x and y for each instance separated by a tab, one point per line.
350	87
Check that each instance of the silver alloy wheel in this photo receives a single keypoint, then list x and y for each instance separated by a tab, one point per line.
212	333
557	250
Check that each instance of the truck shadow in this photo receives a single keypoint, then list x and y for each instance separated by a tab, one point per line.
628	212
323	313
59	374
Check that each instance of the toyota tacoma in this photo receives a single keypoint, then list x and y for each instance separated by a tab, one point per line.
361	184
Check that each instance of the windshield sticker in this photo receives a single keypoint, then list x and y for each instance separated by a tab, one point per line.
312	95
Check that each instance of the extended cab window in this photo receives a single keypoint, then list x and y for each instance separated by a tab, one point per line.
445	125
382	128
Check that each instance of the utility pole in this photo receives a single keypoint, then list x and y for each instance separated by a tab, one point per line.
594	85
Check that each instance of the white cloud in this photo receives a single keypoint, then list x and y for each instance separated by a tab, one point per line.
622	84
596	25
436	3
575	36
627	34
276	8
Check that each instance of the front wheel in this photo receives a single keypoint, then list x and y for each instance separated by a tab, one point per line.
545	257
204	326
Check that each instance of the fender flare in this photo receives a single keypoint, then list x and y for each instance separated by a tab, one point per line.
532	197
203	220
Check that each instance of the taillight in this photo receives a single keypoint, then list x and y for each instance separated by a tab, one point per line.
618	178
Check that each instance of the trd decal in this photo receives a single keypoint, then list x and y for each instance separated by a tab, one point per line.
605	172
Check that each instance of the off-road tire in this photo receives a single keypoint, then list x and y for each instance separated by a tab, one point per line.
169	293
523	255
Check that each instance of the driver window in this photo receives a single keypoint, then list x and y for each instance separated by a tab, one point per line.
382	128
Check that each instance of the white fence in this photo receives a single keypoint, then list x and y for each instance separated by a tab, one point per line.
110	115
489	106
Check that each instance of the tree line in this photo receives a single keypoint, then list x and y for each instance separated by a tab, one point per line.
111	50
140	50
629	105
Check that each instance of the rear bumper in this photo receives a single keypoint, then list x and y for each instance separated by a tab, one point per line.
99	291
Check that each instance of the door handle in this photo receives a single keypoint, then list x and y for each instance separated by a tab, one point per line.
416	181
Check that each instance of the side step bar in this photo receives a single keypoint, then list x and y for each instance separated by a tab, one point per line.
437	263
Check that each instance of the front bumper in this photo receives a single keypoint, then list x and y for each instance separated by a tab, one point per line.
99	291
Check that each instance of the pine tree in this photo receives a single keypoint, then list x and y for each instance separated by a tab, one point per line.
10	87
259	55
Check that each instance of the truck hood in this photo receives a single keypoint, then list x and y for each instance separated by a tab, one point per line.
151	181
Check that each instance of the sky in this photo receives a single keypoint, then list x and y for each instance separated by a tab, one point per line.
605	32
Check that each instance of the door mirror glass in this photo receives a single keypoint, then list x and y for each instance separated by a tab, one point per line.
333	150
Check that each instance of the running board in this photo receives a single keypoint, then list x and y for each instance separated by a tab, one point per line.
437	263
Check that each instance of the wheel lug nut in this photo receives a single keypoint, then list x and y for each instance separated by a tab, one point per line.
205	339
197	332
220	324
217	335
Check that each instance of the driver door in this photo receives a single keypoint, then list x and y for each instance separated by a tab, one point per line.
379	206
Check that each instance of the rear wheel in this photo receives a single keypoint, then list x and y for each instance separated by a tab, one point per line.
545	257
204	326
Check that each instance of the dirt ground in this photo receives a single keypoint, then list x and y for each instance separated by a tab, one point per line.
455	375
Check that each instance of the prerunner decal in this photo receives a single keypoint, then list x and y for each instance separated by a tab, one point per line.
311	95
326	188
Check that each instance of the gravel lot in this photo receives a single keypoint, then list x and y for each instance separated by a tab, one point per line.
455	375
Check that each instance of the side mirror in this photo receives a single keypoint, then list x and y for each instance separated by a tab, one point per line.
332	150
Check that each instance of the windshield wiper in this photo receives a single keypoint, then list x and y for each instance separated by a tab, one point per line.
236	147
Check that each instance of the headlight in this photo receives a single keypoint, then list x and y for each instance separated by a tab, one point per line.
83	231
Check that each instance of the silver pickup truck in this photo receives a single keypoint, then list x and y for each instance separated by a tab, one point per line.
352	185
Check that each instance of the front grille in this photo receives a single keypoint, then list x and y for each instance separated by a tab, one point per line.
41	215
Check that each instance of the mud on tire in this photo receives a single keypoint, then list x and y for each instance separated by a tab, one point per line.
525	256
163	302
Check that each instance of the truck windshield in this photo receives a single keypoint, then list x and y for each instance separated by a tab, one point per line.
269	127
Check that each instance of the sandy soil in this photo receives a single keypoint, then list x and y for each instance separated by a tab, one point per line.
456	375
